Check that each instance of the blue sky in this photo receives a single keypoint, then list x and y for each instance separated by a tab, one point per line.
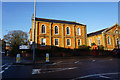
96	15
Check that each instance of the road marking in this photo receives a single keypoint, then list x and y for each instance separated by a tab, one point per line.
5	68
57	63
76	62
38	71
100	75
105	77
111	59
93	60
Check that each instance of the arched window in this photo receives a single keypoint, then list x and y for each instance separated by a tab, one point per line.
68	30
90	41
78	31
56	30
98	41
109	40
43	29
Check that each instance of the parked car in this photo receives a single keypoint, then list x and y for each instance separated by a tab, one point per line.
116	52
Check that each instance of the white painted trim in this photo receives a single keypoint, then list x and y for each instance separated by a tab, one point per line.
70	42
98	38
79	31
109	40
89	42
41	41
58	30
45	29
69	30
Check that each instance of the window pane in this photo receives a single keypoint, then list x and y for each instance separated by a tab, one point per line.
98	41
78	42
68	41
43	41
90	42
109	40
68	30
43	28
78	31
56	41
56	30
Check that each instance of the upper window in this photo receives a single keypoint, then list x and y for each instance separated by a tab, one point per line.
43	29
56	30
78	31
98	41
43	42
68	42
90	41
68	30
79	42
109	40
56	42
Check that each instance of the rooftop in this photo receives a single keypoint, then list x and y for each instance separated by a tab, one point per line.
96	33
58	21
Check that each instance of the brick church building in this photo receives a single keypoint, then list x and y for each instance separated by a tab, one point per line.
60	33
108	37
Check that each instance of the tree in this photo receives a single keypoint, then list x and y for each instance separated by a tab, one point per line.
16	38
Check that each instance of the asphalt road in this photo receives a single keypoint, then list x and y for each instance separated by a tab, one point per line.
79	68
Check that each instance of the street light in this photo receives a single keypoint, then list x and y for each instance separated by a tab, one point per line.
34	32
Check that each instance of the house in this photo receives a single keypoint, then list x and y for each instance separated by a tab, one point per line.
60	33
108	37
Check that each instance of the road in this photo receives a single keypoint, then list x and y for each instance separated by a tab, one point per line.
76	68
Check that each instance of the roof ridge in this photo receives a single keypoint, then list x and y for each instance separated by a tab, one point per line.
59	21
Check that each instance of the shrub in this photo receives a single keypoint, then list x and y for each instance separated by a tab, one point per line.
83	47
93	44
100	47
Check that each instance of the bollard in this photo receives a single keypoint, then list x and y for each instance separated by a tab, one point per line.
18	58
47	57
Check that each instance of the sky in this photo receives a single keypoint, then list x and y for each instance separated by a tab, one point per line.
96	15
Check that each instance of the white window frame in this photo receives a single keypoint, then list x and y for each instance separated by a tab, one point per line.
80	41
79	31
90	41
109	40
41	29
66	30
70	42
98	40
43	41
58	41
58	30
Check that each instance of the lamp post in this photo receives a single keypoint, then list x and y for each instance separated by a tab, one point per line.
34	33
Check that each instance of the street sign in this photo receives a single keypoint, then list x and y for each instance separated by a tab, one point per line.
24	47
47	57
118	43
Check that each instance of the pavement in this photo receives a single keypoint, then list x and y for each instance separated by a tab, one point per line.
74	68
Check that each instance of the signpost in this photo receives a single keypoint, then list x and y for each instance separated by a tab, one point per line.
118	43
47	57
18	58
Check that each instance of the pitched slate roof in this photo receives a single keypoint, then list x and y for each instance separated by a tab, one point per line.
100	31
57	21
96	33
